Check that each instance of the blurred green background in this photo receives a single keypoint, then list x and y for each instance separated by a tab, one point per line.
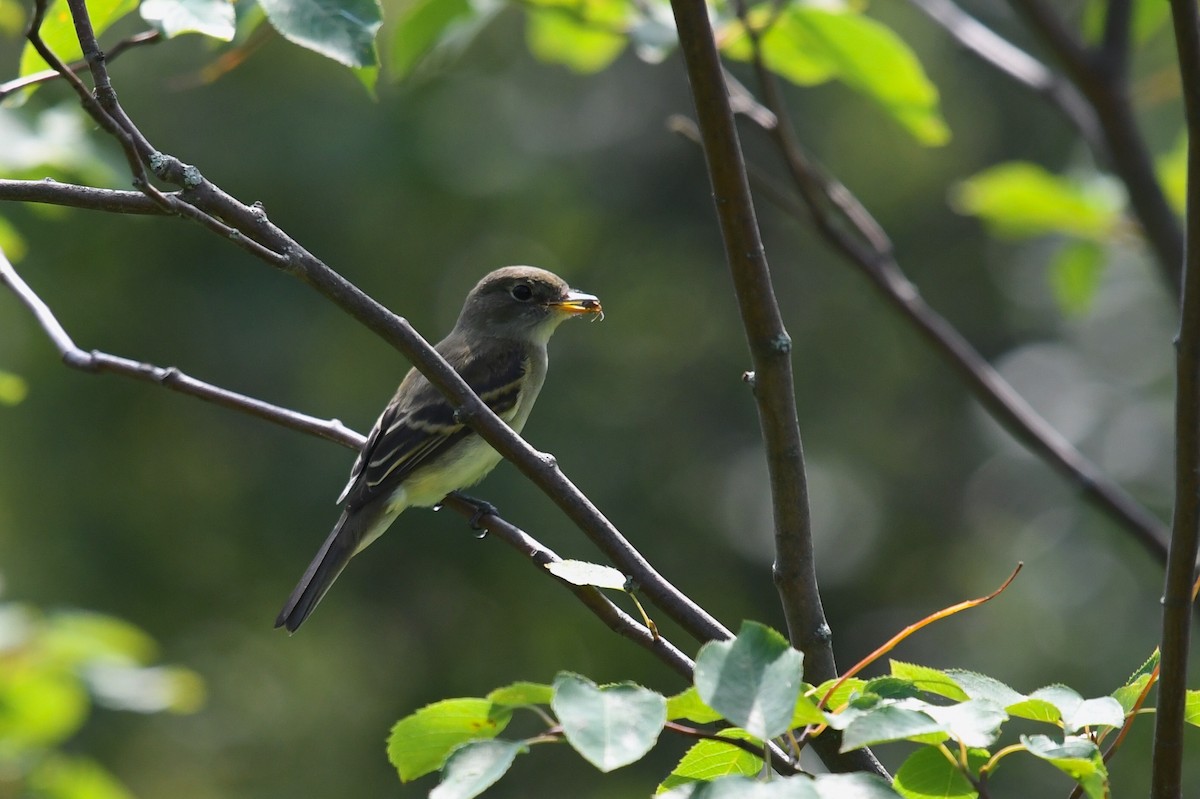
194	522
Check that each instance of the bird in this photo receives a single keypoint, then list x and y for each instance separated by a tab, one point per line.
419	451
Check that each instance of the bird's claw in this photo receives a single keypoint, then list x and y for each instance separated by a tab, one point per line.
482	508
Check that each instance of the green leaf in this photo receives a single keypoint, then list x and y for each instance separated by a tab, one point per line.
580	572
753	680
976	722
981	686
887	722
1172	172
39	706
1035	710
63	777
12	18
611	726
76	637
1191	708
1064	698
928	774
585	36
811	43
1128	693
146	690
58	31
420	743
688	705
474	767
368	77
522	694
890	687
213	18
12	389
652	34
343	30
1075	275
1076	712
826	786
1020	200
933	681
1148	18
805	712
842	695
12	243
1079	758
708	760
420	26
55	143
852	786
1103	711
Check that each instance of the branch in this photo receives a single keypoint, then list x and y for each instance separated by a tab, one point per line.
51	192
770	353
1185	534
539	555
107	112
1114	47
96	362
770	345
1103	80
746	746
249	227
866	246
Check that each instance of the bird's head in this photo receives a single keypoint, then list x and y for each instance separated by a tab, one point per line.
524	302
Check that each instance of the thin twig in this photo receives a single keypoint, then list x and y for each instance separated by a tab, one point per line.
1185	534
917	626
128	43
95	362
103	107
539	555
92	56
770	353
741	743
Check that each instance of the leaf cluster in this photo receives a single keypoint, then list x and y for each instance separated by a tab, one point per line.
808	43
749	700
53	668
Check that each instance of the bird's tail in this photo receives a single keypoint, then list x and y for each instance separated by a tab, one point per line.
351	533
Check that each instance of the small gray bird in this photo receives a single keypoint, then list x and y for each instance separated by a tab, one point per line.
417	452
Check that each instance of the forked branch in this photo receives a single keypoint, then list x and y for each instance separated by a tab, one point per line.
249	227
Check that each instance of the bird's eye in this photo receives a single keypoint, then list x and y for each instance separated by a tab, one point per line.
522	293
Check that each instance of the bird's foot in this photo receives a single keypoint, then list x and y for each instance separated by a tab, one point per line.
482	508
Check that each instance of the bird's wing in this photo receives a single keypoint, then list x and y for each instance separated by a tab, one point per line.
414	432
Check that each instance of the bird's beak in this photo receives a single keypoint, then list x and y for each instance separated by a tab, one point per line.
576	302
